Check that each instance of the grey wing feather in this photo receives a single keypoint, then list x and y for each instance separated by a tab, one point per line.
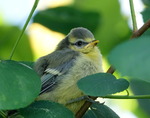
40	65
53	74
49	84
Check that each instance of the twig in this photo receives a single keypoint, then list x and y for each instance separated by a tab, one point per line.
24	27
141	30
111	70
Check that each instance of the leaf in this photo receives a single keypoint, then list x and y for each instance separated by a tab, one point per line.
27	63
102	84
146	16
8	36
63	19
19	85
102	111
140	87
132	58
146	2
89	114
46	109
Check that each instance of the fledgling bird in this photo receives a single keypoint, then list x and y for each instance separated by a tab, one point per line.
75	57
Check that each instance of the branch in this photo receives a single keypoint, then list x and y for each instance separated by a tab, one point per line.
141	30
111	70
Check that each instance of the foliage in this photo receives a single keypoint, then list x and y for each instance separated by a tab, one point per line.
113	27
141	88
102	84
62	19
45	109
8	36
138	49
145	13
20	85
100	111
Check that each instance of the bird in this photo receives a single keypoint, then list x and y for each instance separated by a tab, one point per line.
75	57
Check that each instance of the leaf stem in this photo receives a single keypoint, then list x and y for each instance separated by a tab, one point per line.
133	15
24	27
127	97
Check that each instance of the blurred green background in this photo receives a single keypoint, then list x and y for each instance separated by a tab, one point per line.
54	19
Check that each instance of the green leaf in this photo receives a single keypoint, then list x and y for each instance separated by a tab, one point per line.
63	19
146	2
146	14
19	85
140	87
27	63
132	58
146	17
102	111
89	114
8	36
46	109
102	84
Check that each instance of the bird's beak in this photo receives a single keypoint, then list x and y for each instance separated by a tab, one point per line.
92	44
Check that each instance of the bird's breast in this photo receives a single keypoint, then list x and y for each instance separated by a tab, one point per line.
82	67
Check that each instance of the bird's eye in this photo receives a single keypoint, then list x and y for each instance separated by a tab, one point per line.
79	43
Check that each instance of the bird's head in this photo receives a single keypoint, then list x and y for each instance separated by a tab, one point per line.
79	39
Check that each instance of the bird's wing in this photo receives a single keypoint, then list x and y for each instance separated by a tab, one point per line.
57	67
